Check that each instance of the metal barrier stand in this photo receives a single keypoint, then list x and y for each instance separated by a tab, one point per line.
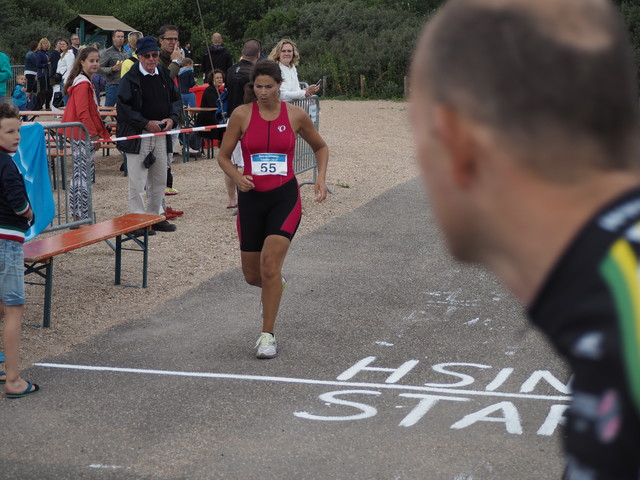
304	158
61	144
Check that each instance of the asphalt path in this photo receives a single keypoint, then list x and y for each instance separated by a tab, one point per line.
395	363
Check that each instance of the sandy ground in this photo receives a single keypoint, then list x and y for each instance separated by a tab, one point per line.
371	151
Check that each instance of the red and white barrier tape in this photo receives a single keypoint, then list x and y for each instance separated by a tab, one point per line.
158	134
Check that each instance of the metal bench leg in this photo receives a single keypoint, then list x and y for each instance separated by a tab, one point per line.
145	256
48	290
118	258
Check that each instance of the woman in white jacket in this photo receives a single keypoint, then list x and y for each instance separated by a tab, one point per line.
66	61
285	53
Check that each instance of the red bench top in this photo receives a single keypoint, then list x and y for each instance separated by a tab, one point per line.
38	250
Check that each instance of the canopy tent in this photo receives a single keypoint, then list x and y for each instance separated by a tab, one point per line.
92	28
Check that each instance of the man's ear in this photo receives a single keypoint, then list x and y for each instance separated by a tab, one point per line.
457	138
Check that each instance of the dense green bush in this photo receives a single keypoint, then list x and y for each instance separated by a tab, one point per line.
29	20
343	40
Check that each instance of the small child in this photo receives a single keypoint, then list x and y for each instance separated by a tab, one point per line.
20	93
187	80
15	218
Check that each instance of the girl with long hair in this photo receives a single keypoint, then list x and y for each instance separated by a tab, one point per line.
82	107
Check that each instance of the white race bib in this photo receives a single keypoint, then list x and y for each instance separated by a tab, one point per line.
269	164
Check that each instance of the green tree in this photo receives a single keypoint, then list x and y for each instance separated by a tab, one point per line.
345	39
31	20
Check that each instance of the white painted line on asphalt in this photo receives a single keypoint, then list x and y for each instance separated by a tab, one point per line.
306	381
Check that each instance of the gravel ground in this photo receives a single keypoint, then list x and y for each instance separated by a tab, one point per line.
371	151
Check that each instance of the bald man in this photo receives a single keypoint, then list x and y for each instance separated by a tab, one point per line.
526	123
216	56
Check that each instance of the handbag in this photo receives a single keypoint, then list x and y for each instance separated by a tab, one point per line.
58	100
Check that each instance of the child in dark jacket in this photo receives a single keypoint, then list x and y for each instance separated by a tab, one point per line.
187	80
15	218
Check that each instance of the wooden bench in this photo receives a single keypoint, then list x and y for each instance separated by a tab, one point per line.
39	254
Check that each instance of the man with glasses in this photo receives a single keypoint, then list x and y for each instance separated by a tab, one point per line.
171	58
75	44
148	102
170	55
110	65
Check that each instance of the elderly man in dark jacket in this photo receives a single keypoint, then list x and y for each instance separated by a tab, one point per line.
148	102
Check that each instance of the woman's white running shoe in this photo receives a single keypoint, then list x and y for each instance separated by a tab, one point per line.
267	346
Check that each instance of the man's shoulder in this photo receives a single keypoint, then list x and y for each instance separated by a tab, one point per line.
240	66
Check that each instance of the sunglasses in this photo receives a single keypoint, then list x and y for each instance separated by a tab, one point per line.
150	55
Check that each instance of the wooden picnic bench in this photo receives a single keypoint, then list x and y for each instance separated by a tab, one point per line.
39	254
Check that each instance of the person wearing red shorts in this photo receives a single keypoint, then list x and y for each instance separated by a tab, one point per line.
269	207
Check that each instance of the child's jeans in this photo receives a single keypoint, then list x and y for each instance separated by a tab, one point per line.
11	273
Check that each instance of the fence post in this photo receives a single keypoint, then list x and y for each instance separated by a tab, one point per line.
406	86
324	85
362	85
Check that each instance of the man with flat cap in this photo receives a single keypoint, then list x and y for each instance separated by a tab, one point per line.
526	121
148	102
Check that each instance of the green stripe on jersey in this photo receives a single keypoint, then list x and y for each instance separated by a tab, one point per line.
620	272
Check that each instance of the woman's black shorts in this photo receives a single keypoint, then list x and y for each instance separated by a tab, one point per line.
275	212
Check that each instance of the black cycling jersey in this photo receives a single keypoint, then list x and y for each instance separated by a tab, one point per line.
589	307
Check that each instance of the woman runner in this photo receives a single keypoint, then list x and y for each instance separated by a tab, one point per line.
269	206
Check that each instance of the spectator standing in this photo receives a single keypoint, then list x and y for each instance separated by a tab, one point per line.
5	75
538	180
238	77
82	107
53	59
187	80
67	59
148	102
15	217
75	44
286	54
187	50
30	66
110	65
132	41
238	74
171	58
130	45
42	67
216	56
170	55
